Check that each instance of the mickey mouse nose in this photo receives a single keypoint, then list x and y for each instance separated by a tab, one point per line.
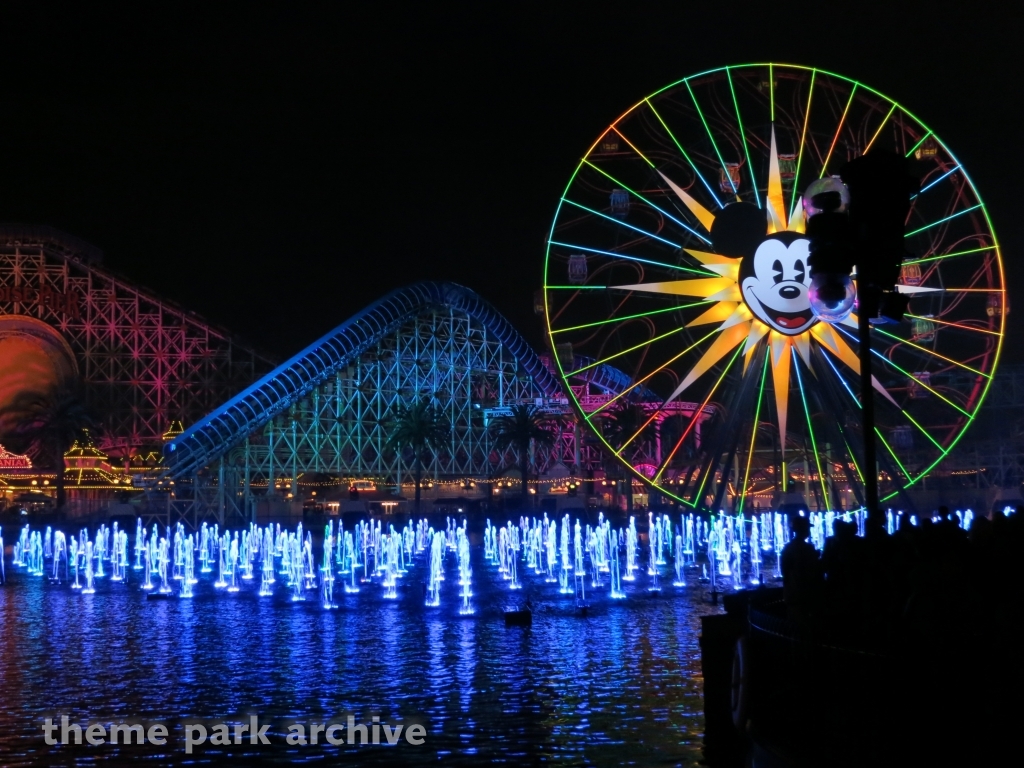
789	292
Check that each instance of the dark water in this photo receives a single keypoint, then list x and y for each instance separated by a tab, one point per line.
620	687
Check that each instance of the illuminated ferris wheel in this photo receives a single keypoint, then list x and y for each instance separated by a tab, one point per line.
677	255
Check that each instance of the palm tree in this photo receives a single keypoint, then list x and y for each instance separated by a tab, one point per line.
45	425
524	425
421	428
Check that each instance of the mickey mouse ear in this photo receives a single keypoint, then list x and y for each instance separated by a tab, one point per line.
738	229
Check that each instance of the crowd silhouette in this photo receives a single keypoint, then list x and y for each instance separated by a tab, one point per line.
937	605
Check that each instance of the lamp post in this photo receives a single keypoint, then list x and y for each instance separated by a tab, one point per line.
858	221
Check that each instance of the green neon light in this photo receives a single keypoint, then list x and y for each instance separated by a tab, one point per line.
839	130
954	325
629	317
922	141
930	352
892	453
624	224
653	373
753	437
877	354
923	430
803	138
624	352
987	383
941	221
951	255
577	287
683	152
710	136
743	135
694	420
641	197
625	257
810	430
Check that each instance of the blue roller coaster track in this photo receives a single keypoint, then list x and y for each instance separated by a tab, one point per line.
213	436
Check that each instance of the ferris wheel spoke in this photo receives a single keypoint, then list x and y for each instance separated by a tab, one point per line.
637	434
624	352
930	352
696	416
743	135
943	221
810	427
910	376
803	141
857	404
878	132
628	317
753	434
839	130
633	146
895	458
663	212
684	153
933	183
714	145
952	255
923	431
911	290
656	371
622	223
921	141
626	257
954	325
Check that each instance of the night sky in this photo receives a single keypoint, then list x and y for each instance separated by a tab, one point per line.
277	169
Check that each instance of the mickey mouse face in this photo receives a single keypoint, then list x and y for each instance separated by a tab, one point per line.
774	282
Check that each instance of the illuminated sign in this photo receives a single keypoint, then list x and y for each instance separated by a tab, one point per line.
68	304
10	460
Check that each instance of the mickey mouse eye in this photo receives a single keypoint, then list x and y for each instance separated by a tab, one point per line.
799	267
777	269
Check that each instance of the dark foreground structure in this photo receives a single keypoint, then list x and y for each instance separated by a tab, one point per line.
908	655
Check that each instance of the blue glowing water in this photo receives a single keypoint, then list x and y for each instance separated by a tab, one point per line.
622	686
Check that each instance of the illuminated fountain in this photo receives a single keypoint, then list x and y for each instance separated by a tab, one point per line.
188	567
552	552
89	588
755	553
222	563
680	559
539	545
163	560
60	550
140	544
147	554
631	547
613	568
437	547
465	572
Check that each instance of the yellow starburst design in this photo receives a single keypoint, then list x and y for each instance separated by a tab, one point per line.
737	324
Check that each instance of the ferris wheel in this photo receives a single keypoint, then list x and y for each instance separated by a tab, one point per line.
677	255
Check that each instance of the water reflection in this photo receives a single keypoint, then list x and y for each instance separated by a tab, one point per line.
622	686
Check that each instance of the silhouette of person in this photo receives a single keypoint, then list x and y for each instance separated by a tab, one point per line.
801	571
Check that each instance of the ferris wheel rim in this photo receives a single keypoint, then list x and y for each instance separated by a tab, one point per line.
926	133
